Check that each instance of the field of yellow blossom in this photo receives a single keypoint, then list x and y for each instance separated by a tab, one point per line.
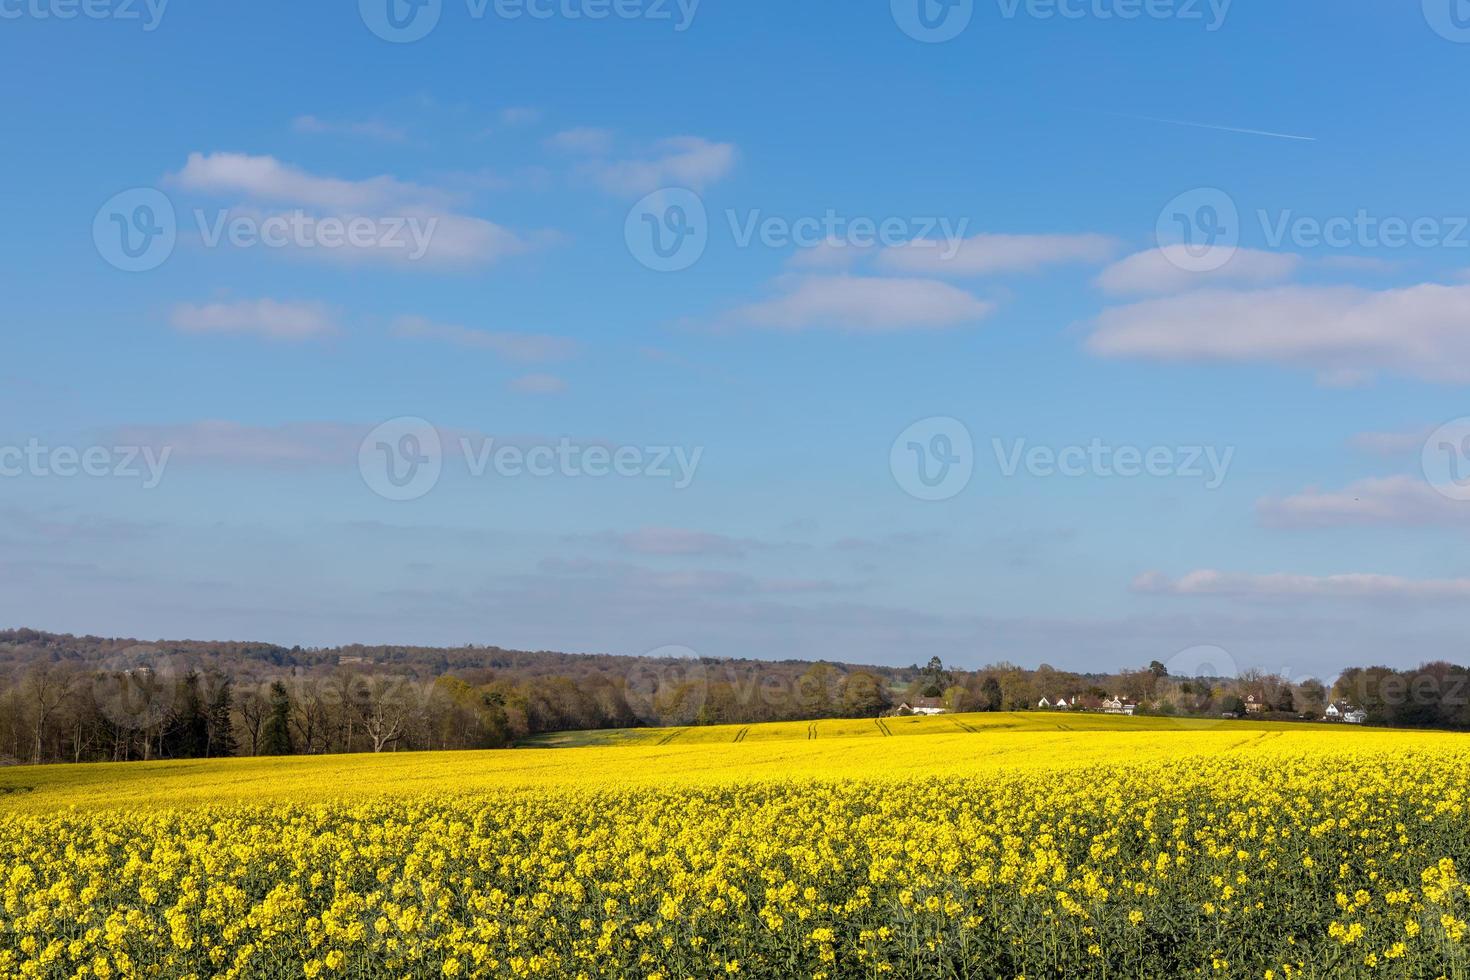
1002	846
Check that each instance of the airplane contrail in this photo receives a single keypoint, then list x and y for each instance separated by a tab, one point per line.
1223	129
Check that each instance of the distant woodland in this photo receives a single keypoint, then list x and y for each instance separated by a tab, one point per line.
70	698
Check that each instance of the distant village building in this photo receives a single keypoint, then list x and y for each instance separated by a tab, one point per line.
1342	711
923	706
1060	704
1117	706
1254	705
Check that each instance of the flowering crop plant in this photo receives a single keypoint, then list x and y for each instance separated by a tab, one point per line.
1231	853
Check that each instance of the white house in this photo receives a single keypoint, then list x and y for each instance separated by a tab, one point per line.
923	706
1342	711
1117	706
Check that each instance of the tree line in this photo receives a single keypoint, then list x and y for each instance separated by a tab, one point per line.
83	699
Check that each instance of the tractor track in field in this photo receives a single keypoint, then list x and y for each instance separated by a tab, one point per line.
671	736
887	732
811	731
740	735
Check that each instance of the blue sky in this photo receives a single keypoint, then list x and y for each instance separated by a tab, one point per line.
1034	294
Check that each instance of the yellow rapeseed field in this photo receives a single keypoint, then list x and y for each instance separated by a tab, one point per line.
995	846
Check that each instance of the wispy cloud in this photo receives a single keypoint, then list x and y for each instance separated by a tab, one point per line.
683	161
862	304
1394	501
987	254
520	115
1172	269
367	129
290	445
539	384
1208	582
1417	331
670	541
268	318
583	139
266	179
525	347
1391	443
413	225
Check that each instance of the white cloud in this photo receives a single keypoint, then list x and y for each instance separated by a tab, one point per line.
1207	582
267	318
527	347
411	224
1421	331
539	384
683	161
985	254
367	129
1392	500
583	139
264	178
520	115
1170	269
863	305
